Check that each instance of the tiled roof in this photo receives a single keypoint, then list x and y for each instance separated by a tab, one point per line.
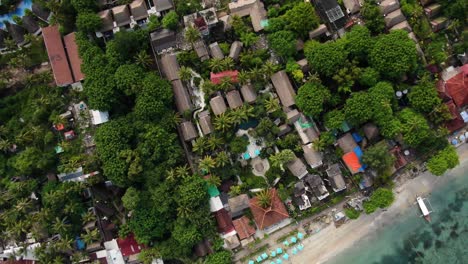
216	78
57	57
129	246
224	221
75	60
243	227
266	217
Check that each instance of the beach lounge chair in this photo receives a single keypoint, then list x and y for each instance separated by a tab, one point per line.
279	261
273	254
294	251
300	235
286	256
264	256
293	239
279	251
286	243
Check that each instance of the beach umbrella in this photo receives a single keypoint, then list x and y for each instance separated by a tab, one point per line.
300	247
286	243
251	262
462	138
279	261
454	141
259	259
272	262
293	239
279	251
286	256
264	256
294	251
300	235
273	254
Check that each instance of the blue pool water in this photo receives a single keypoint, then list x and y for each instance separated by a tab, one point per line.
19	11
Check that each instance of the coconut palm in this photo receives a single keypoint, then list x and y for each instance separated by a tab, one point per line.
243	77
88	217
282	157
264	198
271	104
173	119
214	142
171	175
91	236
223	122
182	171
10	44
200	145
23	205
248	110
185	73
4	145
143	59
71	208
24	138
60	225
225	84
207	163
216	65
237	116
222	159
63	244
268	69
249	39
227	63
191	34
235	190
184	211
214	180
256	73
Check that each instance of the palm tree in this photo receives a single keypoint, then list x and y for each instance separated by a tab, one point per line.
243	77
264	198
173	119
271	104
171	175
235	190
249	39
23	205
208	87
207	163
223	122
4	145
185	73
255	73
222	159
191	34
227	63
60	225
249	111
90	236
237	116
184	211
71	208
216	65
214	180
225	84
10	44
268	69
282	157
24	138
199	145
64	244
88	217
182	171
214	142
143	59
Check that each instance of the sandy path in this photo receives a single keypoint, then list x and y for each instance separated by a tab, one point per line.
330	241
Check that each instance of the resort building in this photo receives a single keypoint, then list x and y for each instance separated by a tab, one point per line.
253	8
244	229
234	99
248	93
297	168
284	88
218	105
336	178
216	51
236	48
312	156
238	205
204	119
316	186
188	131
271	218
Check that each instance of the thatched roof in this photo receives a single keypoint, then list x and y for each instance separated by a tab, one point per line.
40	11
216	51
297	168
238	204
394	18
163	5
218	106
17	33
353	6
248	93
336	178
30	24
107	20
235	50
121	15
205	122
284	88
139	9
371	131
188	131
347	143
234	99
181	96
200	49
170	67
312	156
163	39
388	6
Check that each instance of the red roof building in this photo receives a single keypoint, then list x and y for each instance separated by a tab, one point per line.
224	221
455	88
57	57
75	60
266	217
352	162
456	122
243	228
216	78
129	246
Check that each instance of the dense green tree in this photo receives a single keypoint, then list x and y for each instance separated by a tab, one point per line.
155	96
358	42
301	19
357	110
31	160
374	19
394	55
415	128
219	257
267	129
192	34
311	98
369	77
276	24
153	23
283	43
334	119
171	20
239	144
380	198
128	78
131	198
326	58
88	22
442	161
346	76
249	39
125	46
378	158
424	97
282	157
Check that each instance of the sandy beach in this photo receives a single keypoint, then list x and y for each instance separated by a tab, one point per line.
330	241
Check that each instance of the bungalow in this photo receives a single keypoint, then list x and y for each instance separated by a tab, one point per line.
316	186
200	49
170	67
248	93
235	50
371	131
336	178
225	225
439	23
217	78
121	16
347	143
433	10
42	13
331	12
139	11
204	118
402	25
284	88
218	105
57	57
181	96
244	230
188	131
300	197
353	6
253	8
271	218
322	29
234	99
216	51
31	25
107	22
283	130
17	33
163	6
307	129
162	40
292	116
454	85
238	205
388	6
74	58
393	18
312	156
297	168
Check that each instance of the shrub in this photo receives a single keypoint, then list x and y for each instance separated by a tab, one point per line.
352	213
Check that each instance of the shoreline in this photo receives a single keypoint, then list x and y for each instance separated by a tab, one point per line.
330	242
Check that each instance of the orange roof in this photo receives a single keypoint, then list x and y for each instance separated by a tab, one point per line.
57	57
75	60
265	217
243	227
352	162
224	221
457	87
456	122
216	78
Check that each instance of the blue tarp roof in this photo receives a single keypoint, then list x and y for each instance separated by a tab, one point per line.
357	137
358	152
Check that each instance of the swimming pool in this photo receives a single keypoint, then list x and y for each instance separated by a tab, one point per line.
19	11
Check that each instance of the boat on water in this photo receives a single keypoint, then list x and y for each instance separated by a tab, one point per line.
425	212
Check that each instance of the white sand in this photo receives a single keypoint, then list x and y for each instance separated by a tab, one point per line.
330	241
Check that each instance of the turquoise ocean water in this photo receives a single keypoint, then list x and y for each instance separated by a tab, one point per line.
412	240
